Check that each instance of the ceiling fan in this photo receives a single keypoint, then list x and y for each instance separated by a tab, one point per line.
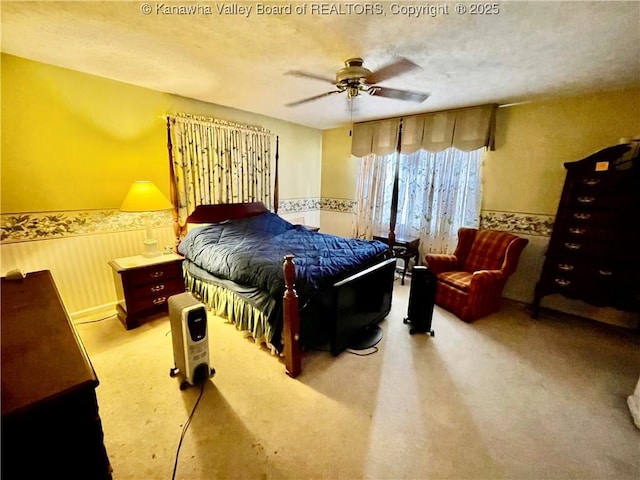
354	79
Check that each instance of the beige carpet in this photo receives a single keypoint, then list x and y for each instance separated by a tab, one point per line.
505	397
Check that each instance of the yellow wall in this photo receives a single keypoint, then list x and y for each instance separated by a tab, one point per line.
72	141
525	173
339	170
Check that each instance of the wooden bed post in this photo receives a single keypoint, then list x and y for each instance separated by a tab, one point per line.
394	193
276	192
291	320
173	190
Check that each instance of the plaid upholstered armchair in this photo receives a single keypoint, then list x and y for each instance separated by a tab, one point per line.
470	282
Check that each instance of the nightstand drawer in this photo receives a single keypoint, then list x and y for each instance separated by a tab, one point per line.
154	274
141	303
168	287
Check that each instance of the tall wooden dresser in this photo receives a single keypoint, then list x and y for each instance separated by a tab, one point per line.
594	250
50	422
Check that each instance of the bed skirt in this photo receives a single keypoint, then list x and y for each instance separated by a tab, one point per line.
225	303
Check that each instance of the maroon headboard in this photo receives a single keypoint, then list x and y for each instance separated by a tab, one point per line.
225	211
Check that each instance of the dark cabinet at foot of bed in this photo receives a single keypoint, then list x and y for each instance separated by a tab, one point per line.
143	285
51	427
593	254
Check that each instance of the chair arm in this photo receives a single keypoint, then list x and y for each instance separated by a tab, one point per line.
487	281
512	255
440	262
487	276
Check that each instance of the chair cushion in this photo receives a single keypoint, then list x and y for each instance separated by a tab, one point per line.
459	280
488	250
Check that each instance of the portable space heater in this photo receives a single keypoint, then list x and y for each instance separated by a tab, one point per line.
422	297
188	319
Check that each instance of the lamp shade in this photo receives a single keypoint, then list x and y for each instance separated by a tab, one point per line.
144	196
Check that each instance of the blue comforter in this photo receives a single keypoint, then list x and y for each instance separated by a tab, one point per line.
250	251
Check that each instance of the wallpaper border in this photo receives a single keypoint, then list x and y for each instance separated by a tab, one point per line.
516	222
24	227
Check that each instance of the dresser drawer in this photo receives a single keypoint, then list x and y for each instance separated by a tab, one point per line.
604	182
154	274
597	277
580	217
595	241
606	200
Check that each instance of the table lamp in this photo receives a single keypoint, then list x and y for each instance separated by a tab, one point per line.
144	196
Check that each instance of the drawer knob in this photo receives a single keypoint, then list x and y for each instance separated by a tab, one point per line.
159	300
157	288
577	231
587	199
582	216
572	246
562	282
591	182
565	267
156	274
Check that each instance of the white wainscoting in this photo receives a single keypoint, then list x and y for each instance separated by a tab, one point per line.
79	264
311	218
336	223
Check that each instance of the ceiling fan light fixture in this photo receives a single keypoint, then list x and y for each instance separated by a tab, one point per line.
353	92
353	78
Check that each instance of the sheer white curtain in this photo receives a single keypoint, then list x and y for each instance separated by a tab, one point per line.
437	194
373	191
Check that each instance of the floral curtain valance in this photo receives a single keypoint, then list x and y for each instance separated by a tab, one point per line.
465	129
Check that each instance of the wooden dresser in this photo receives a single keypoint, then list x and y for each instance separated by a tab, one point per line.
594	250
50	422
143	285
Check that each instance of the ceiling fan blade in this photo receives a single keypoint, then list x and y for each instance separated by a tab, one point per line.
393	69
300	73
311	99
398	94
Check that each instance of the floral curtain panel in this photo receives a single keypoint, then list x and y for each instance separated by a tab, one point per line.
373	191
215	162
438	194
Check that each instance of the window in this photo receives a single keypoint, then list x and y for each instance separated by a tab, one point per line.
433	163
437	194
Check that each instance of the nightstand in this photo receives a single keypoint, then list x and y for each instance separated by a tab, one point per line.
406	249
143	285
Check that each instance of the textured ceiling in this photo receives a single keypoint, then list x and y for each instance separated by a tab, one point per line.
525	51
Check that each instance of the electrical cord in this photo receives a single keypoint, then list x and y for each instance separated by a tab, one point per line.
95	321
184	430
370	351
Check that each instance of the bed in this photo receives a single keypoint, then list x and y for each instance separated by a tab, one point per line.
287	286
